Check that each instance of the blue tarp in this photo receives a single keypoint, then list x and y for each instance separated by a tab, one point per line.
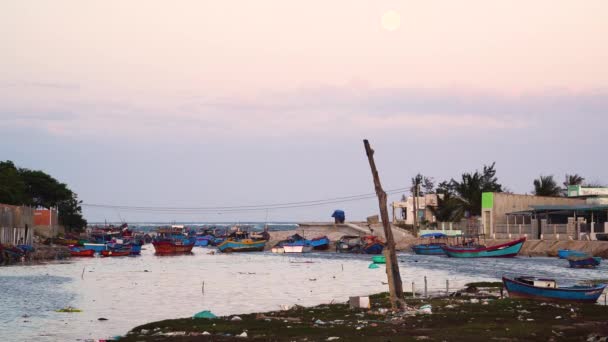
339	214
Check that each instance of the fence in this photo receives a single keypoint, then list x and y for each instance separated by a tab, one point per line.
16	236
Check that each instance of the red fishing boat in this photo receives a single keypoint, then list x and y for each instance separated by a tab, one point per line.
173	241
116	252
77	252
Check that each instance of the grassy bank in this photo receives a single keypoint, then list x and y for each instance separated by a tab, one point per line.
472	317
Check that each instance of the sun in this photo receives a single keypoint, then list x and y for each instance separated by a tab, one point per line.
391	20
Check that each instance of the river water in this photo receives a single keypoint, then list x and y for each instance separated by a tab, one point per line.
131	291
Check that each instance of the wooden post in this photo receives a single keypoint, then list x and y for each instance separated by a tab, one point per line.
426	293
413	290
395	286
447	287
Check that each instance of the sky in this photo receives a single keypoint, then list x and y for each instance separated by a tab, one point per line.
229	103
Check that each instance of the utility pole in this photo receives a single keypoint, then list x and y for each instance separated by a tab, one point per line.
395	286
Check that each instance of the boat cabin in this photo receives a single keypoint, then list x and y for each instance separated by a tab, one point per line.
537	282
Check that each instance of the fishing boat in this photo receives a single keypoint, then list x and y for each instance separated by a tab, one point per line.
320	243
505	250
584	261
372	245
566	253
431	247
547	290
119	252
362	245
172	240
79	252
278	249
297	247
240	241
96	247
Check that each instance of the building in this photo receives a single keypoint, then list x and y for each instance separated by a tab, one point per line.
576	217
16	224
403	211
46	222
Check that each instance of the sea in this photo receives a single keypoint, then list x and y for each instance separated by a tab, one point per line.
117	294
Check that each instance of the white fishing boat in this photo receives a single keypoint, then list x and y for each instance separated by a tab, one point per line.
297	248
278	250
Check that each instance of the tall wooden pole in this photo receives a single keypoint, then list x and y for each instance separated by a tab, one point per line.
415	193
395	286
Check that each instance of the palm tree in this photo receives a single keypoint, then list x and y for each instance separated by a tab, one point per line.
546	186
574	179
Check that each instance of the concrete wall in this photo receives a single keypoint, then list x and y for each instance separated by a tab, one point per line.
504	203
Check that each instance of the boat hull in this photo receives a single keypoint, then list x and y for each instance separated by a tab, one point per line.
567	253
297	248
321	243
168	247
278	250
97	247
429	249
110	253
585	294
507	250
373	248
589	262
82	253
230	246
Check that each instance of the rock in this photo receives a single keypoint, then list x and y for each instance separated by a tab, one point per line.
558	317
243	335
319	322
206	333
333	338
236	319
474	301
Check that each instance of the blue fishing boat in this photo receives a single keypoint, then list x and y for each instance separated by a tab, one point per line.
97	247
505	250
431	248
584	261
204	240
241	242
566	253
547	290
320	243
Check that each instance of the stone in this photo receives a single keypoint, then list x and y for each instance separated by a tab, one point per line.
236	319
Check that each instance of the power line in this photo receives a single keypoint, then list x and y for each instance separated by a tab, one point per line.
242	208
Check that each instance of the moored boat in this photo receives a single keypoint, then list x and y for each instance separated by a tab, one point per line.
547	290
172	241
79	252
320	243
96	247
241	245
431	247
584	261
505	250
278	249
116	252
566	253
356	244
297	248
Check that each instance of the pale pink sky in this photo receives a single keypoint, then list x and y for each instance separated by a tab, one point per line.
89	72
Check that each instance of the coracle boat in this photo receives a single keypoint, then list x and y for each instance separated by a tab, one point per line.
584	261
79	252
505	250
172	241
567	253
547	290
241	242
431	248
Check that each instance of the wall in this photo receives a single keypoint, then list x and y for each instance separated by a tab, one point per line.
495	206
424	203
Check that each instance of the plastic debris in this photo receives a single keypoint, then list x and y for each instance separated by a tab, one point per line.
426	309
333	338
236	318
205	314
319	322
206	333
373	266
244	334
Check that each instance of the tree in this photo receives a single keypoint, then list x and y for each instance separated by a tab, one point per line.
70	214
574	179
44	190
472	185
546	186
12	187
